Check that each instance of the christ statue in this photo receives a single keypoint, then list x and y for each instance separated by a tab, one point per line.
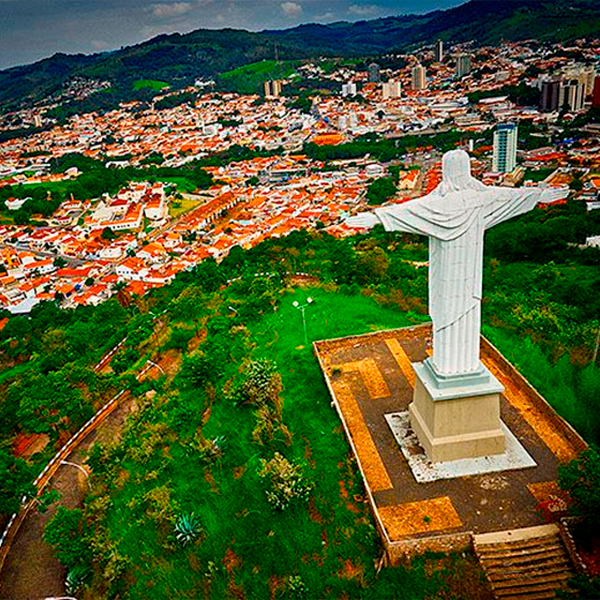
454	217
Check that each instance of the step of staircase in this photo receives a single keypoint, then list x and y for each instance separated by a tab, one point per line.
524	564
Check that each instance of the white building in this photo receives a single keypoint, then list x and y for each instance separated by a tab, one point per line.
571	95
349	89
505	148
418	77
391	89
463	65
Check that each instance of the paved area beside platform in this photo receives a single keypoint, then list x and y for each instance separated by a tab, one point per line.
371	376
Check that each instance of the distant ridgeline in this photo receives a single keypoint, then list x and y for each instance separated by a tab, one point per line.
178	60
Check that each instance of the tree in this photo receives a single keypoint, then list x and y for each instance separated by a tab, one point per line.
46	401
581	478
200	369
380	190
65	533
371	265
201	178
576	185
108	234
59	262
16	478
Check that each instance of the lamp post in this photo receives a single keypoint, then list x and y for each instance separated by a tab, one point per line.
302	307
79	467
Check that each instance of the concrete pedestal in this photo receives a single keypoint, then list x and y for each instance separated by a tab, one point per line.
456	417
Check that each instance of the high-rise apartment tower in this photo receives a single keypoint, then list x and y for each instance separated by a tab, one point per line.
418	77
505	148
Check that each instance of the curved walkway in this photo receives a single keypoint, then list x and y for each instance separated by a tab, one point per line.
32	571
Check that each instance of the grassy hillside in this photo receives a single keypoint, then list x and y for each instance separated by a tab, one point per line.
151	84
249	79
197	447
180	59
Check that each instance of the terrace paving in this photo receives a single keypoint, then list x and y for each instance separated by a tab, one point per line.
371	375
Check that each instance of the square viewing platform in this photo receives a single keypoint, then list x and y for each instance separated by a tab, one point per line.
371	377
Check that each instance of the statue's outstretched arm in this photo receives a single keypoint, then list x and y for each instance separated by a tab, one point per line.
363	220
397	217
432	216
504	203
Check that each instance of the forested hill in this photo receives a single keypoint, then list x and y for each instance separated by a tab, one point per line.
180	59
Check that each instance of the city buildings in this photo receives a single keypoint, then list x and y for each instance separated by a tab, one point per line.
596	92
166	234
559	94
391	89
438	51
463	65
418	77
550	97
349	89
504	158
572	95
272	88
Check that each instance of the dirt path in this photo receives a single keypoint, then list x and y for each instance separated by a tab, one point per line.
31	572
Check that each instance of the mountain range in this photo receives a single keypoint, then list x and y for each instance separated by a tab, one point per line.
180	59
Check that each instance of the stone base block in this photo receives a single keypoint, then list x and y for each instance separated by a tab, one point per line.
454	422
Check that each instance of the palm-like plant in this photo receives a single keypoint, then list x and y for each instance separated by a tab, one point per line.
187	529
76	578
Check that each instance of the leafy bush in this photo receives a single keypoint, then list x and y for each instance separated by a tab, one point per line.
286	484
581	478
380	190
180	338
200	369
65	533
76	579
124	360
261	386
15	482
212	449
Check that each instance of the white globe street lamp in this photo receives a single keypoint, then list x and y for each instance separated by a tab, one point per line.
302	307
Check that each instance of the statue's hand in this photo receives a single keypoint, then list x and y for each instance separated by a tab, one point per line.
553	195
363	220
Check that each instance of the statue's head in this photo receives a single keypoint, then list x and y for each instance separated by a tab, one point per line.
456	164
456	173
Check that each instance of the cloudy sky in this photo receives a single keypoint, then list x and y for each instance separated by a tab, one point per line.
34	29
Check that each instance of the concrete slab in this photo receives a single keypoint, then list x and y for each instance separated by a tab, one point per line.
423	470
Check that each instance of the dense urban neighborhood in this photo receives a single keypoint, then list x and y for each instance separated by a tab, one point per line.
520	109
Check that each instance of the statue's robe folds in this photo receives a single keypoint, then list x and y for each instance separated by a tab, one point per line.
455	223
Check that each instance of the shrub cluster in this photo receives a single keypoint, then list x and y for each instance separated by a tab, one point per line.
285	481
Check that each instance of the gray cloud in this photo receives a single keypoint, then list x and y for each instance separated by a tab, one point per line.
168	11
364	10
291	9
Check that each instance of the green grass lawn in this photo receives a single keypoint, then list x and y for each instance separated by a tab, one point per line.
182	183
52	186
264	67
570	389
179	207
248	549
150	83
249	78
537	174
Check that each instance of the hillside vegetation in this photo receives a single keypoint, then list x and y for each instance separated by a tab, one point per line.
180	59
233	476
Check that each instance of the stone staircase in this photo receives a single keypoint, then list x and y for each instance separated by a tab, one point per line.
524	564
